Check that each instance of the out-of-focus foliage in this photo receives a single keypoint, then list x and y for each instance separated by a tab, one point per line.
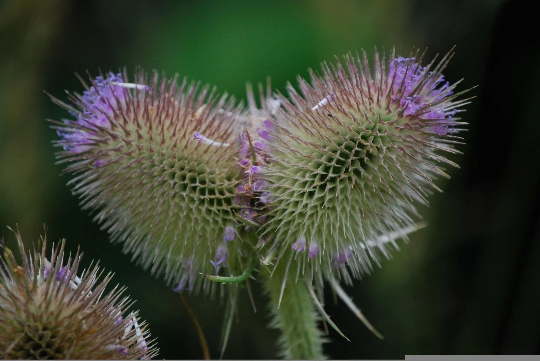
466	284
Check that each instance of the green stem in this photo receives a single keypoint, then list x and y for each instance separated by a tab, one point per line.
295	317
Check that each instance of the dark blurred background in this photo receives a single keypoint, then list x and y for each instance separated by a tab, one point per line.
467	284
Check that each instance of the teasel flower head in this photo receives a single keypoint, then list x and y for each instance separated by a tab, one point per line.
156	159
349	160
51	310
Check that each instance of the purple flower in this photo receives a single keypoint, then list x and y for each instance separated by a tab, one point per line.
229	233
313	249
99	163
241	189
62	274
254	169
181	285
220	257
99	103
341	258
187	279
265	198
104	97
268	125
241	200
243	162
245	151
260	146
115	312
263	133
407	74
46	270
258	185
248	213
299	245
198	136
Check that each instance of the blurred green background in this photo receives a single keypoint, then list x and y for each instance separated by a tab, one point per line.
467	284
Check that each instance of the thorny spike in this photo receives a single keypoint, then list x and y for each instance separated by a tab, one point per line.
321	310
348	301
284	282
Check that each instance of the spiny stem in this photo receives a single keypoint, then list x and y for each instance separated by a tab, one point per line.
296	317
348	301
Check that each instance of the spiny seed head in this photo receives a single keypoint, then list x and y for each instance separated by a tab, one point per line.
48	311
154	160
349	158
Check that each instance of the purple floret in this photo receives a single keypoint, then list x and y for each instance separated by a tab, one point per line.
62	273
407	75
229	233
299	245
99	103
313	249
265	197
259	185
341	258
188	277
220	257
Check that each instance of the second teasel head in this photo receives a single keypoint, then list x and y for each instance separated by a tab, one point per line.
349	159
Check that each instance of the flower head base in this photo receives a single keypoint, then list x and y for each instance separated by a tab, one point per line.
153	158
349	158
48	312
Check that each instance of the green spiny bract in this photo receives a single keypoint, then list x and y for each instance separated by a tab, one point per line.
48	312
348	160
156	163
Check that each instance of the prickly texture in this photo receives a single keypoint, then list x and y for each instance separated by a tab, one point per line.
294	314
350	158
48	312
155	186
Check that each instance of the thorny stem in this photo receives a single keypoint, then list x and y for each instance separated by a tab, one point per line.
295	317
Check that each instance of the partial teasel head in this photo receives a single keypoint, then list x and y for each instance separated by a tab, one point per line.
49	309
349	160
157	160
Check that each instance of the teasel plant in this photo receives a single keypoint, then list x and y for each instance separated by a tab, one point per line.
297	191
51	310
